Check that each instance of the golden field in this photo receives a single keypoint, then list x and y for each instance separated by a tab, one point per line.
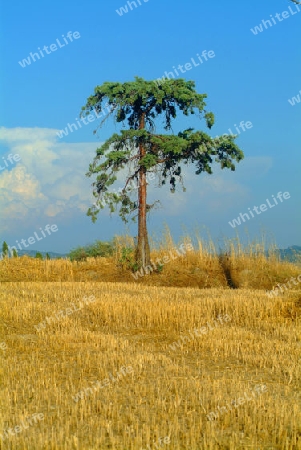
95	353
168	393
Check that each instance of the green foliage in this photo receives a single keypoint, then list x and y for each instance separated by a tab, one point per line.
138	104
15	253
127	259
39	256
160	268
4	249
99	248
47	256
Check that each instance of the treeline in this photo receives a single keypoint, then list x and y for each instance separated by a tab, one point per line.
98	248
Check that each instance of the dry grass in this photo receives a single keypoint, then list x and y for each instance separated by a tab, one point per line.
170	392
201	268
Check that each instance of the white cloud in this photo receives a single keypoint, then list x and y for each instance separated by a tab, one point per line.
217	193
49	180
254	167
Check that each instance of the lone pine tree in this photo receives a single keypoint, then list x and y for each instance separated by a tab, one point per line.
142	151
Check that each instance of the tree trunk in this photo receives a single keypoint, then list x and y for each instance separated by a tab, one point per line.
142	250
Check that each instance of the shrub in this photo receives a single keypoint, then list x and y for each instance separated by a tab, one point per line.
99	248
127	260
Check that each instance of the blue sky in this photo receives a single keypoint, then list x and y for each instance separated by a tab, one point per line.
250	78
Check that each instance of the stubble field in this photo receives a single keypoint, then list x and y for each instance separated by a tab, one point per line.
129	366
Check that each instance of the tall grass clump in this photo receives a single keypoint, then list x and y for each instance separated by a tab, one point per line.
254	265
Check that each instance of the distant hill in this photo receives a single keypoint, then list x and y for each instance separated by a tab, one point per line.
32	253
292	254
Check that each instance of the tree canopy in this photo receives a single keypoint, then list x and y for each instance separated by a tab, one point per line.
141	150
